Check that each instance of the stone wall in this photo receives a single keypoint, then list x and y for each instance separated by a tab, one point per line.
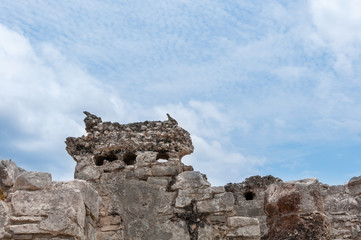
34	207
147	192
343	206
131	184
249	198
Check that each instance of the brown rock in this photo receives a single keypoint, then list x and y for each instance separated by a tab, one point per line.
295	211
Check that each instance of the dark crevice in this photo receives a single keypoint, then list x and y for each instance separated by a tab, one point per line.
193	219
99	160
170	184
129	158
162	155
249	195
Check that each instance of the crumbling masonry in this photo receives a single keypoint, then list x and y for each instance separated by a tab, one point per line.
130	184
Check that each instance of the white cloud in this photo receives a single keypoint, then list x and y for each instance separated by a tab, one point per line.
338	28
44	95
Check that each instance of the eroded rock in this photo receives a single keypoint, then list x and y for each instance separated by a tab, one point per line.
32	181
295	211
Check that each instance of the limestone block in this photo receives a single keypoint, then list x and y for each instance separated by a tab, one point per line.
8	172
218	189
86	172
354	185
160	181
244	227
63	211
220	203
190	179
237	221
252	232
32	181
28	229
159	170
186	196
142	172
90	196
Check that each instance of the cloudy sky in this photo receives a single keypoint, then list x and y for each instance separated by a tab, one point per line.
264	87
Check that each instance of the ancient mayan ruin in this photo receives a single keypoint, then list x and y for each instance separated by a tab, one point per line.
130	184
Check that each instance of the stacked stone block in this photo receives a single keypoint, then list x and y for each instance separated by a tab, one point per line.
37	208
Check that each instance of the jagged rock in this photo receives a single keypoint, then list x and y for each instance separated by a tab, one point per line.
8	173
32	181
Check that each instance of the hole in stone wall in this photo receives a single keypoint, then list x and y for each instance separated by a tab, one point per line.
129	158
162	157
249	195
99	160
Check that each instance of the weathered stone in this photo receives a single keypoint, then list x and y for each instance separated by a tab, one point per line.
110	220
62	212
159	170
186	196
244	228
8	173
147	193
142	173
4	218
32	181
354	185
190	179
237	221
295	211
220	203
160	181
90	196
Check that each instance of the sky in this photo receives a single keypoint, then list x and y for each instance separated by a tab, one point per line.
263	87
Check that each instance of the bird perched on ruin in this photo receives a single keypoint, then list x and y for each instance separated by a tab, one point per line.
172	120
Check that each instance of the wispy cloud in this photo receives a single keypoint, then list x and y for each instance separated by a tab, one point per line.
246	79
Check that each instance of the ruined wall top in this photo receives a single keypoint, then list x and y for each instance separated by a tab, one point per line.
107	140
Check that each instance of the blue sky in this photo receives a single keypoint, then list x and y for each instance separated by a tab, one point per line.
264	87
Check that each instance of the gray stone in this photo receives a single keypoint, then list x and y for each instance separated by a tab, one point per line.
8	172
251	232
32	181
90	196
220	203
237	221
354	185
160	181
159	170
186	196
190	179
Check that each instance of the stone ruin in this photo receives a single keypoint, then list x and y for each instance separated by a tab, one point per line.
130	184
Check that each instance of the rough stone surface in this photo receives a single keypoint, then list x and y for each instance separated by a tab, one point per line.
249	198
131	184
8	173
32	181
147	192
295	211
